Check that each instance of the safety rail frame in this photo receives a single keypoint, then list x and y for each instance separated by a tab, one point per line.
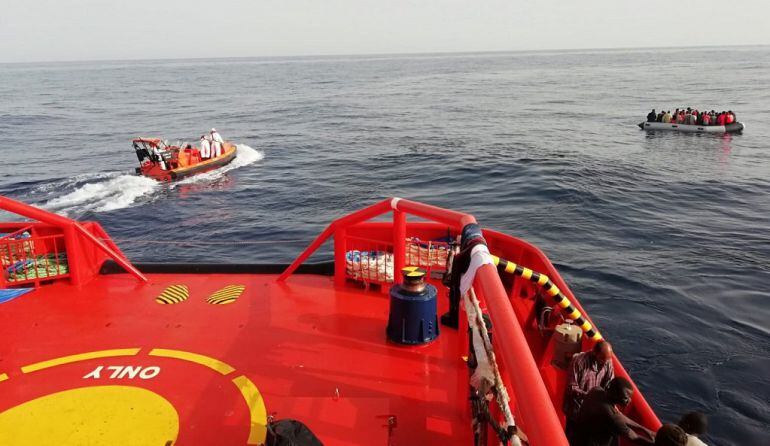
25	257
370	260
83	242
373	262
540	421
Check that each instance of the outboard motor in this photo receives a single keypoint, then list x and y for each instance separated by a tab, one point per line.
413	316
141	153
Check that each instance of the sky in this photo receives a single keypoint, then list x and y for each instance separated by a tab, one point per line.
68	30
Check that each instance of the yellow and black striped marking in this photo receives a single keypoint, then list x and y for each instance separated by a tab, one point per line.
226	295
551	290
173	295
413	271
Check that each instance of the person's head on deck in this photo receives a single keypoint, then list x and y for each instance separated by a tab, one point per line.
694	423
620	391
670	435
602	352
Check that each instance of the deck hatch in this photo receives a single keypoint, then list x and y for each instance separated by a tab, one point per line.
226	295
173	294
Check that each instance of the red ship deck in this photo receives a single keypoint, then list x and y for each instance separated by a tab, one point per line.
112	361
90	357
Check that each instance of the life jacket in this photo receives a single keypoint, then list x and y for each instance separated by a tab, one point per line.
182	158
729	119
706	119
721	119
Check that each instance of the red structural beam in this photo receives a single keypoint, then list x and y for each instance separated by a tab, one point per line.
455	219
399	245
337	225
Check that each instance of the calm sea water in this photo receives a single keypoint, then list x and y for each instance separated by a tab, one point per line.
664	237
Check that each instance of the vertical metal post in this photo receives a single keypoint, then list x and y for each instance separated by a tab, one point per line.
74	255
340	251
399	245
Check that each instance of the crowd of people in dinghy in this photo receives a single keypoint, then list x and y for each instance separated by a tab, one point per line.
692	116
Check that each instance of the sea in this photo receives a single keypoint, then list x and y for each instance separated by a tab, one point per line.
664	237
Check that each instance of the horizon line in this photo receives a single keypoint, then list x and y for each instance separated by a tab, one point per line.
386	54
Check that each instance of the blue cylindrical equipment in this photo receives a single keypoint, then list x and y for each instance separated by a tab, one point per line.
413	318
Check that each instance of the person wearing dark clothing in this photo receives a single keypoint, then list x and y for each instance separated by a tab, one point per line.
651	116
670	435
599	421
586	370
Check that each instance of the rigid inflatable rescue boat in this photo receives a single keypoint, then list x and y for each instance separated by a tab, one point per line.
163	162
729	128
99	351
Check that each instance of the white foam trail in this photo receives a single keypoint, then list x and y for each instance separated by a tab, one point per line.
111	191
115	193
246	155
72	181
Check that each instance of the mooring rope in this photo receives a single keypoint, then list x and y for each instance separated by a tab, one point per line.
475	319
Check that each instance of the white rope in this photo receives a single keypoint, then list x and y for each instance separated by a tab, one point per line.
475	319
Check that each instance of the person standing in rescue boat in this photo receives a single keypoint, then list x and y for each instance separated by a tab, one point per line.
586	370
205	148
216	143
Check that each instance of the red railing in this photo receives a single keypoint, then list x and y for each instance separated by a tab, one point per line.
32	259
540	419
81	243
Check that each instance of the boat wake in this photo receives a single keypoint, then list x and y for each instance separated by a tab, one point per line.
109	191
104	194
246	155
